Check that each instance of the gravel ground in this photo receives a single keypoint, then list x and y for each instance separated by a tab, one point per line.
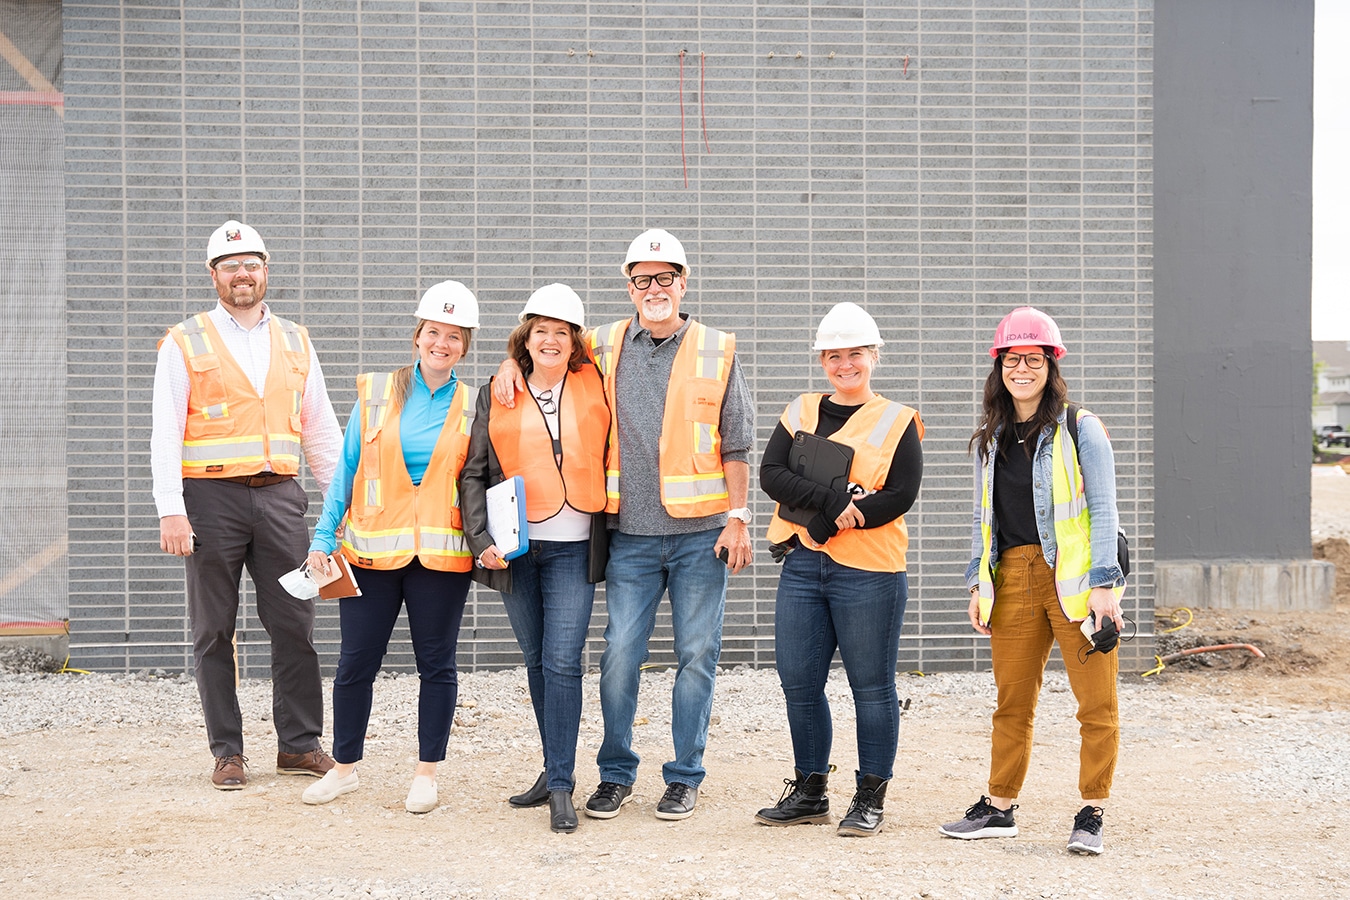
1228	784
104	793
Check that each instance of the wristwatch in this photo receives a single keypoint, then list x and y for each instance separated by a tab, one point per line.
743	514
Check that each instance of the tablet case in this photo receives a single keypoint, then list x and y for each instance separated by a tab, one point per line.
820	460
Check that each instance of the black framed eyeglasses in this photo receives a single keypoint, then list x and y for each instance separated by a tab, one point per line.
230	266
1012	360
546	402
665	279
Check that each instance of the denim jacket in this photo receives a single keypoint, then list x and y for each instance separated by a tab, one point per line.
1099	485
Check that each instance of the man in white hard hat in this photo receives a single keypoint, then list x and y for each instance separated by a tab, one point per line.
238	395
677	478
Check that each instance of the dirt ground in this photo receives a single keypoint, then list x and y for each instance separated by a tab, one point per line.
1230	781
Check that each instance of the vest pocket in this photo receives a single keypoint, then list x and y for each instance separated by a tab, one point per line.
208	385
703	400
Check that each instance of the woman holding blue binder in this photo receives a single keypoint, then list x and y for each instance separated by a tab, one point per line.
557	445
843	584
396	498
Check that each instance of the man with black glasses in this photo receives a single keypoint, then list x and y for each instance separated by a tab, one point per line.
238	394
677	478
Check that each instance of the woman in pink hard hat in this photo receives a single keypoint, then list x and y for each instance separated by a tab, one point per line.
1043	563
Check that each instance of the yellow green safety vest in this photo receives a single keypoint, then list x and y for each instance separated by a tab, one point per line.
1073	531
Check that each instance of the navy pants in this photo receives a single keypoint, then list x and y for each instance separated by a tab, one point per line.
435	602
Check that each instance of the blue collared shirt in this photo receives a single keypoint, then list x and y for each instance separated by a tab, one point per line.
419	428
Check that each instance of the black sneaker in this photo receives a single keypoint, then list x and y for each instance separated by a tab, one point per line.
983	820
677	802
1087	831
608	798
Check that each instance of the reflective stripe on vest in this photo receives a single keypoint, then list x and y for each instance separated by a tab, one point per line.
229	430
391	521
1073	530
522	441
873	432
693	484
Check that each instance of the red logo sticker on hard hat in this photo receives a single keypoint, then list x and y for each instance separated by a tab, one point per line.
448	308
656	245
232	235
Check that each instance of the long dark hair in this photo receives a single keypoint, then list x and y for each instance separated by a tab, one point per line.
997	413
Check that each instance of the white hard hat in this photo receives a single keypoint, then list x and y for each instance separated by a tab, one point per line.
556	301
234	237
847	325
451	303
655	245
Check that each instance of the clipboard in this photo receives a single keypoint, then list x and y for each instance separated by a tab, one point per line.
820	460
339	583
506	522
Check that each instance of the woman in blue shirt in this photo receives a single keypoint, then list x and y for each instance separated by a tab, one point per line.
395	496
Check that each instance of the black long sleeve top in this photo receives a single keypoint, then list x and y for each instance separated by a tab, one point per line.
886	505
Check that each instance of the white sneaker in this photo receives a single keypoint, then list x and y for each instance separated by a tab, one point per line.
330	787
422	795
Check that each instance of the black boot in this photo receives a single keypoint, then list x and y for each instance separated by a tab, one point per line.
537	795
803	802
864	813
562	816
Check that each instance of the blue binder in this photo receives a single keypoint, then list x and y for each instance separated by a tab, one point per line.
507	525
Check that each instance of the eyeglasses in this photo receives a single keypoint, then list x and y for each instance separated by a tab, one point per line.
665	279
230	266
1013	360
545	401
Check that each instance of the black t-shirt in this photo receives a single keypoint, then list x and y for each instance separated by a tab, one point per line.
1014	502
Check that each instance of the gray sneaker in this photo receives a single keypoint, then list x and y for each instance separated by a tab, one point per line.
608	799
1087	831
677	802
983	820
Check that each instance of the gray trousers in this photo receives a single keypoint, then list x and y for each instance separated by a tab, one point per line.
262	528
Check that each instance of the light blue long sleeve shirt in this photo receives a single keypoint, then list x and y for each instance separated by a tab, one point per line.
419	428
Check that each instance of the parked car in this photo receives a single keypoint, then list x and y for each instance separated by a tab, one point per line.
1331	435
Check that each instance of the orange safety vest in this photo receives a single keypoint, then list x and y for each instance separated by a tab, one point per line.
520	438
692	481
391	520
874	431
230	430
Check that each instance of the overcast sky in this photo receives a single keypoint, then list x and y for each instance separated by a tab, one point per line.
1331	173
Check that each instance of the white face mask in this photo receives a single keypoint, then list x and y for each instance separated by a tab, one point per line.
299	585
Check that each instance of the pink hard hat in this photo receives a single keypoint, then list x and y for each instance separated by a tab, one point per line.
1027	325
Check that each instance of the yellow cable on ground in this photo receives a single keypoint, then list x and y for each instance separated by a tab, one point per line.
1156	669
65	667
1190	617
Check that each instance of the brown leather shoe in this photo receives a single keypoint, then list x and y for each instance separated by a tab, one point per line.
229	774
314	763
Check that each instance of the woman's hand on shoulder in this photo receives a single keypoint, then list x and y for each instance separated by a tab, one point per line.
974	612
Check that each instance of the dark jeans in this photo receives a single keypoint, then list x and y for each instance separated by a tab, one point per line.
821	606
550	609
435	602
262	528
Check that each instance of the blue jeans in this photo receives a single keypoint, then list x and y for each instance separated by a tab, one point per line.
435	602
550	609
821	606
641	568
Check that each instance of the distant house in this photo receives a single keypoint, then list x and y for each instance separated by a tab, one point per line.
1332	405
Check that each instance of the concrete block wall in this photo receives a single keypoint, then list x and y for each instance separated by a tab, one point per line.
938	161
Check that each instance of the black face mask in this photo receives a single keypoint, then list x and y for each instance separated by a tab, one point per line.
1104	639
